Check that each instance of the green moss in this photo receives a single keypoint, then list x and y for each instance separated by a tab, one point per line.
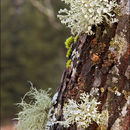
69	52
68	63
68	42
76	38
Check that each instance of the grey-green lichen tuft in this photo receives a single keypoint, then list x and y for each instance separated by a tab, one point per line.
33	115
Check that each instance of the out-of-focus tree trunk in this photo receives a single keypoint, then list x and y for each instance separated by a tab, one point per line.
103	66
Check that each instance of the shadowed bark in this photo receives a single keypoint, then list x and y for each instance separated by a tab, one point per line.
100	65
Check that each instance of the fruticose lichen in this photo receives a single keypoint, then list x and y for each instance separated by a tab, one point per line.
33	115
83	113
53	113
51	118
84	14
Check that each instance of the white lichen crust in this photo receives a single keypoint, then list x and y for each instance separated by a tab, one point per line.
83	113
83	14
33	115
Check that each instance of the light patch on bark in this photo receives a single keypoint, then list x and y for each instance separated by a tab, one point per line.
54	99
117	93
51	119
114	80
127	73
114	70
116	125
128	7
97	82
71	65
122	44
119	44
125	7
73	72
124	109
106	105
94	92
52	116
75	54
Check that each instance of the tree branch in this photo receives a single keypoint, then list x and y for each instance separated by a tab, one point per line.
47	10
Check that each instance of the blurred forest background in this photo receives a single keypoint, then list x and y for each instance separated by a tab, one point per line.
32	49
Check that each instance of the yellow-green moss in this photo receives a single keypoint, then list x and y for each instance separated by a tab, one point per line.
69	52
68	63
68	42
76	38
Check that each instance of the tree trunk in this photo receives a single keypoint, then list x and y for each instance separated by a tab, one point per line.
103	65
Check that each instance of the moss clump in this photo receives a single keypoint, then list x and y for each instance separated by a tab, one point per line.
33	115
76	38
68	42
69	52
68	63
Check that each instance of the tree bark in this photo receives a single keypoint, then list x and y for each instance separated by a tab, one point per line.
102	66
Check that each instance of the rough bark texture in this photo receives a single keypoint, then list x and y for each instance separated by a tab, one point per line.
99	66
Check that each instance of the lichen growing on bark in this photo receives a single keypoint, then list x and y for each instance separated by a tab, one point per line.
83	113
33	115
84	14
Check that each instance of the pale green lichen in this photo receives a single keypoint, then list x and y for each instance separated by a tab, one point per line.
33	115
68	42
68	63
82	15
83	113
